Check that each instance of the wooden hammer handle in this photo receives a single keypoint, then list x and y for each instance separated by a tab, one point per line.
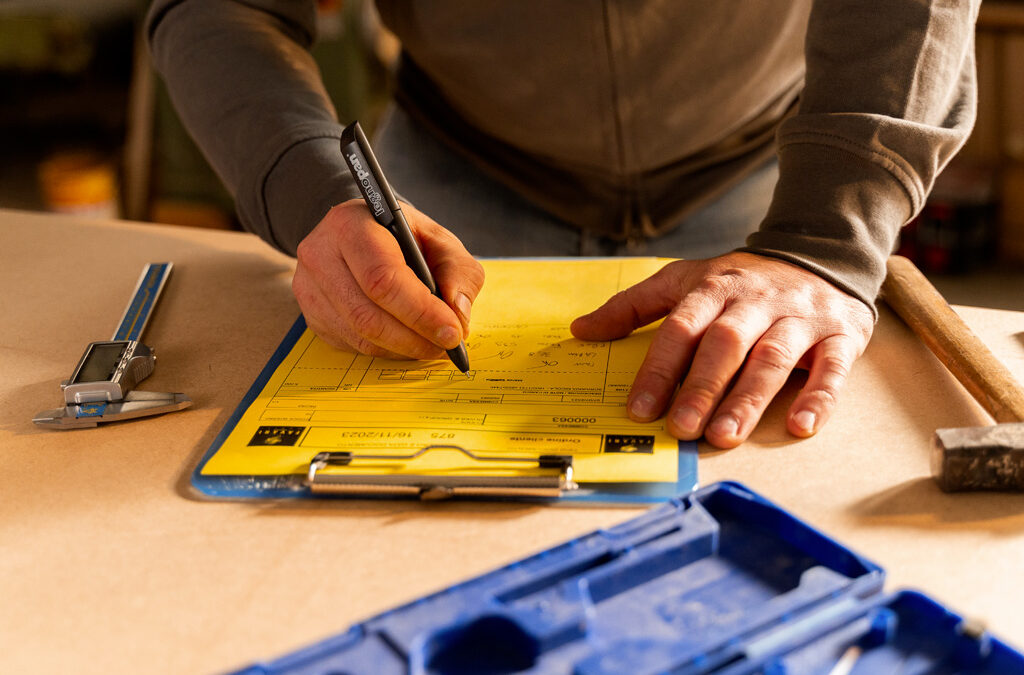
942	330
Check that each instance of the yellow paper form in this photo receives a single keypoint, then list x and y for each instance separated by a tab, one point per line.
532	390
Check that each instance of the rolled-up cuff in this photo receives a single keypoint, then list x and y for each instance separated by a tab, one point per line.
298	188
836	214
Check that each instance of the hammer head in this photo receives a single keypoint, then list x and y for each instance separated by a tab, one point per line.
979	458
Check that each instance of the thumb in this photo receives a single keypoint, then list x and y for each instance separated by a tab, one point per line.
637	306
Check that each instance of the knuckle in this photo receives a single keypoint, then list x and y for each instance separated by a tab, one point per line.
381	283
862	322
476	273
826	396
726	331
364	346
344	343
428	228
628	299
306	300
834	369
716	284
681	323
300	289
373	350
422	318
343	212
307	295
740	401
308	253
701	387
660	371
470	275
772	355
366	322
826	392
337	339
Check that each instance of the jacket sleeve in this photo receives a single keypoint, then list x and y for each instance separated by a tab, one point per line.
241	77
890	97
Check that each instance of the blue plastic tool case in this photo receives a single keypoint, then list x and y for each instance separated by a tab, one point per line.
718	581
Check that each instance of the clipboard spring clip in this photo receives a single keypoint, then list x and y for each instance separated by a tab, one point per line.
429	487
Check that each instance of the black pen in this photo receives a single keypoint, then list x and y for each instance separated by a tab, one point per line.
386	211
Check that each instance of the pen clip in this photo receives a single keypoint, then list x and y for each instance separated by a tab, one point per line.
433	487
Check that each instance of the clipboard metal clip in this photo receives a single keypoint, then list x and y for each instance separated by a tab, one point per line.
427	487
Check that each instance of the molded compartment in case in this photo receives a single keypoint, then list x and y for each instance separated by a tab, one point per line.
717	581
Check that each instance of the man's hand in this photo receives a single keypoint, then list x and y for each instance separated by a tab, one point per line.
357	293
735	326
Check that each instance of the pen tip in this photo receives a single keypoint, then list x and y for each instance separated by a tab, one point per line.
460	358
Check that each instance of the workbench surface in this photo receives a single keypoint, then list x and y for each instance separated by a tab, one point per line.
109	562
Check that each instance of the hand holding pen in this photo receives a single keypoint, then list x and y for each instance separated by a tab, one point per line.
357	290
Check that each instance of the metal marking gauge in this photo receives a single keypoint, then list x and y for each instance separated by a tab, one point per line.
102	386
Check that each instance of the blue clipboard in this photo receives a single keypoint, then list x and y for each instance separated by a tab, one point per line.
295	486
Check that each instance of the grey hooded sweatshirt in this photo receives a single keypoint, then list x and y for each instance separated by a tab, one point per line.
618	116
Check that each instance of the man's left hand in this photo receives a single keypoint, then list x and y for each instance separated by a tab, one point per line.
735	326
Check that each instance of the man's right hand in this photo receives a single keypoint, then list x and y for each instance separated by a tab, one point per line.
357	293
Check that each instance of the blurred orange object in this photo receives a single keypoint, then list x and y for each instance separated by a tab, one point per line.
79	183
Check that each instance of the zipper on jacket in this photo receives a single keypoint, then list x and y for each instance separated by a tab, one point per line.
630	226
636	220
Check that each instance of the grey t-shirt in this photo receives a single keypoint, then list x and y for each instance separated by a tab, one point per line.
619	116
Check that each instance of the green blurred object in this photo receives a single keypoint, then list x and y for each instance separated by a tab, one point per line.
350	63
45	43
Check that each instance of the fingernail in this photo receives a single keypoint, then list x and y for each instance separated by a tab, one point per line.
642	405
805	420
463	304
687	419
724	425
447	337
